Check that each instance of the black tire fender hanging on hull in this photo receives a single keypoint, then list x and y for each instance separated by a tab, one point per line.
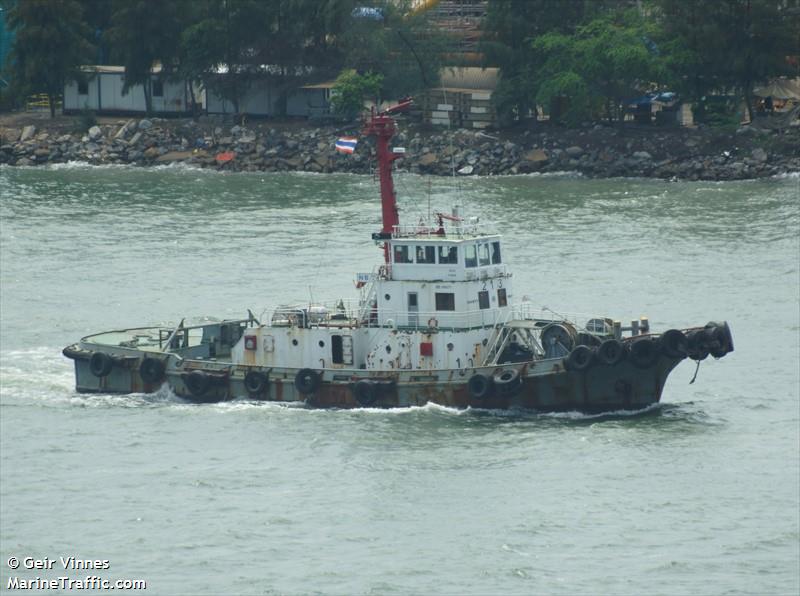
152	370
644	352
307	381
580	358
480	386
256	383
507	382
100	364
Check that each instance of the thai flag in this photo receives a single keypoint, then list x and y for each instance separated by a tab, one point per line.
346	145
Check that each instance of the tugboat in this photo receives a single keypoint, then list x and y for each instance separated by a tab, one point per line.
436	321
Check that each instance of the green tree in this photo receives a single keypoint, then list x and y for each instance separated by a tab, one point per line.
604	62
405	47
718	46
50	45
510	27
143	33
351	90
221	48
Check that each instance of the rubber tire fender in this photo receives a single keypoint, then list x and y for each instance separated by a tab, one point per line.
256	383
674	344
644	352
197	382
307	381
610	352
507	381
151	370
365	393
698	350
721	334
580	358
100	364
480	386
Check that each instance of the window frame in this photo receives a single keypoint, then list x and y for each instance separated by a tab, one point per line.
502	297
471	262
445	301
495	252
452	255
406	248
426	250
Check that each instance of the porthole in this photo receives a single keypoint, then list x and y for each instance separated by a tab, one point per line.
387	297
294	342
450	347
321	344
485	341
388	349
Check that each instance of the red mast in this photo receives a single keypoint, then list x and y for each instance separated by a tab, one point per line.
382	127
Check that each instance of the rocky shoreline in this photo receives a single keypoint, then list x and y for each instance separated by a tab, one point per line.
594	151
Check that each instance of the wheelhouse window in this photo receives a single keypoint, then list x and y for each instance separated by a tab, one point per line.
502	300
471	256
483	254
83	87
483	299
402	254
448	255
496	253
445	301
158	88
426	254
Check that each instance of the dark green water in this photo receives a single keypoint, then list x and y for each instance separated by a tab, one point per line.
700	495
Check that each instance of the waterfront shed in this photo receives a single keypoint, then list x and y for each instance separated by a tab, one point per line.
101	92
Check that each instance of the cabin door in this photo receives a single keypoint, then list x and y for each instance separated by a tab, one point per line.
413	310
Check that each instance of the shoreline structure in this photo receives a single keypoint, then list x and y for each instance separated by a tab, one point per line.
596	151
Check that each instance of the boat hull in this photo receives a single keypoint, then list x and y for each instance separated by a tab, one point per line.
542	385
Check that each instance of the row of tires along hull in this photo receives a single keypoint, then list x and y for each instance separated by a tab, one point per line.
612	358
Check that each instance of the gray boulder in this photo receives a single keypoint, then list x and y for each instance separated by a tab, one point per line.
145	124
95	133
574	151
27	133
759	155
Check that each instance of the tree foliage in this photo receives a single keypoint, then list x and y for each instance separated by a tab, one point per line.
51	43
143	33
592	55
586	56
713	47
404	47
597	67
352	89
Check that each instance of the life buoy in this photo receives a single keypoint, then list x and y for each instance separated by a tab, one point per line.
480	386
197	382
365	392
306	381
674	344
580	358
433	323
610	352
151	370
256	382
644	352
507	381
100	364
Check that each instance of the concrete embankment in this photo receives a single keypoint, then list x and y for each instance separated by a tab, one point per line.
596	151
